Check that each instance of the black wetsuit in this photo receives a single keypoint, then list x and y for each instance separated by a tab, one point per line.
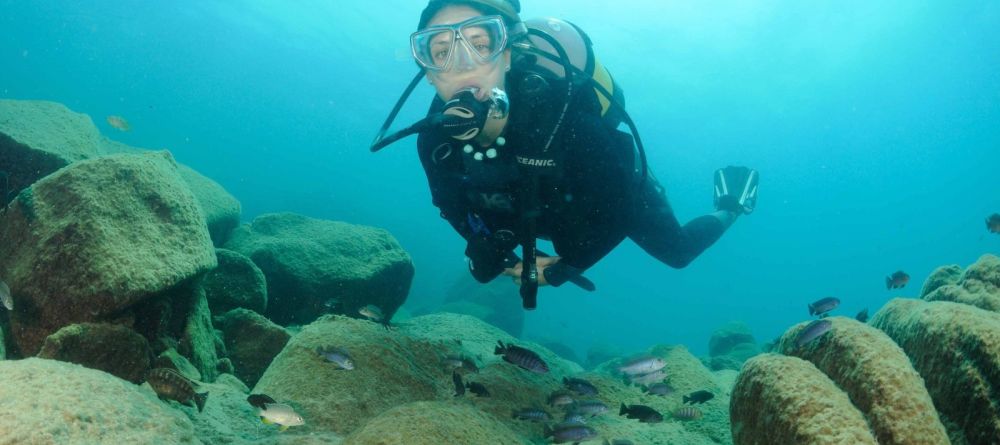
589	204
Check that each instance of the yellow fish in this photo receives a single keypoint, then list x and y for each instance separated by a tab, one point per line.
119	123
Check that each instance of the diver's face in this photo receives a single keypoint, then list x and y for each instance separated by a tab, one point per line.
460	76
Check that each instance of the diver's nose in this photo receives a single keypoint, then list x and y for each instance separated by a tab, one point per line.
464	60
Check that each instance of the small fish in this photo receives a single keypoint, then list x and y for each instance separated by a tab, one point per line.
618	442
592	408
459	363
560	398
522	357
580	386
332	304
477	389
647	379
5	298
642	365
371	312
170	384
280	414
119	123
993	223
572	433
862	316
456	378
259	400
823	305
659	389
532	415
642	413
700	396
337	356
687	413
813	331
574	418
897	280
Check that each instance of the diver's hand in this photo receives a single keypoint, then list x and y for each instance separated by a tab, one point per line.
540	262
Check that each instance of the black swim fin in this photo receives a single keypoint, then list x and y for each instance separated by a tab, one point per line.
736	189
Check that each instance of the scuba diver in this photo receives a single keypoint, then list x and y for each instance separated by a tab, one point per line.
521	142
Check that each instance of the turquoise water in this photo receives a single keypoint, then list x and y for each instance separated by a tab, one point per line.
874	126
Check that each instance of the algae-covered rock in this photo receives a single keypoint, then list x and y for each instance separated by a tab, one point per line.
199	343
877	376
473	337
52	402
434	423
490	302
252	342
310	262
221	210
39	137
172	359
730	346
97	237
978	286
786	400
956	348
111	348
941	276
236	283
389	370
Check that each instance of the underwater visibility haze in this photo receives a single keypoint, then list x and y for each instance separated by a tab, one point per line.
874	126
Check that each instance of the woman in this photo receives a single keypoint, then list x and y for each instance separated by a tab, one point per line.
512	156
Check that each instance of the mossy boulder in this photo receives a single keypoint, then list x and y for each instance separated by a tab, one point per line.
95	239
236	283
252	342
956	348
40	137
942	276
490	302
434	423
389	370
877	376
978	286
112	348
786	400
49	401
199	342
730	346
221	210
312	265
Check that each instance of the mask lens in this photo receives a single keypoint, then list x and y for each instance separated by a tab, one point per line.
484	38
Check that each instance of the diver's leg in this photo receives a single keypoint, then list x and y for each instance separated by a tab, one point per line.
656	230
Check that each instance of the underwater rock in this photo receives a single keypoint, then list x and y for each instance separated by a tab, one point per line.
199	343
389	370
40	137
171	359
956	348
252	342
236	283
221	210
599	353
730	346
786	400
49	402
489	302
97	237
941	276
111	348
308	262
434	423
978	286
877	376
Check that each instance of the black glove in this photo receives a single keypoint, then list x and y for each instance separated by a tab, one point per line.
489	255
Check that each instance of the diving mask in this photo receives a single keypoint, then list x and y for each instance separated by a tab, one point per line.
482	38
